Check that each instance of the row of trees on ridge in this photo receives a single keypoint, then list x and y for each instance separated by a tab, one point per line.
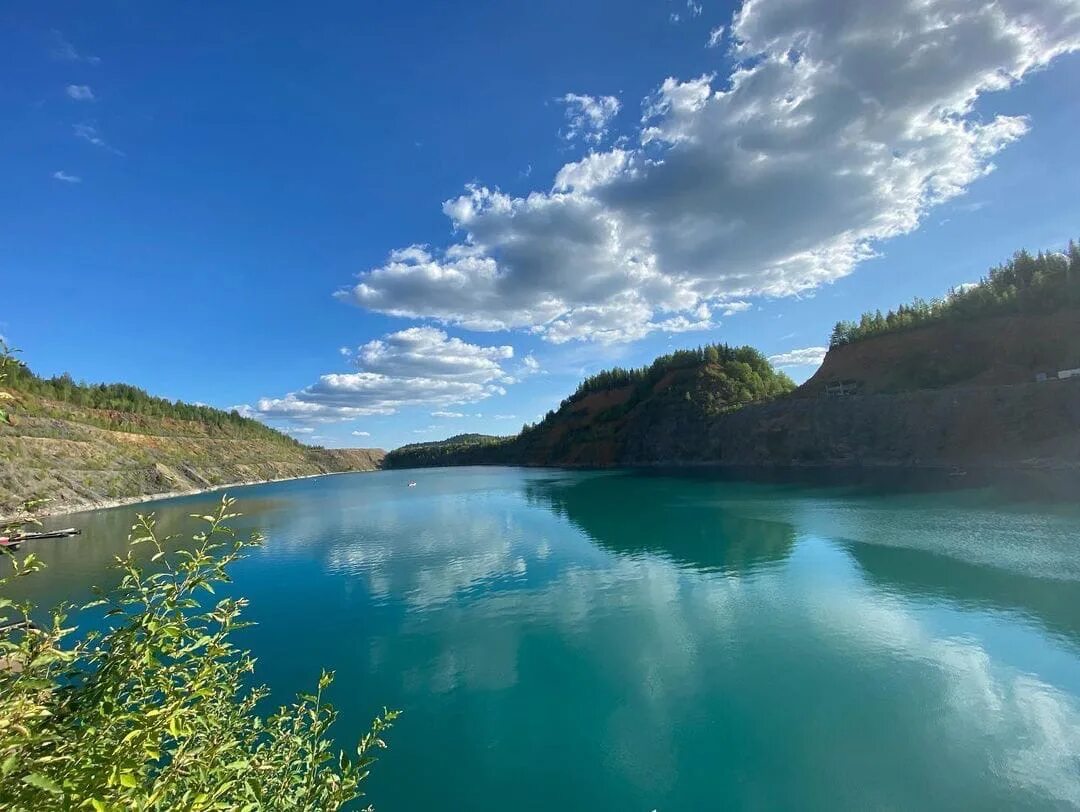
1040	283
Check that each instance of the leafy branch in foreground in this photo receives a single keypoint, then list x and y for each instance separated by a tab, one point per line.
152	711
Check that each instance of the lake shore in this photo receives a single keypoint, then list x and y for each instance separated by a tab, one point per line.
1040	473
49	510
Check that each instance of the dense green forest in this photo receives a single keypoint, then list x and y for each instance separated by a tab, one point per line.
438	451
114	404
1043	283
745	375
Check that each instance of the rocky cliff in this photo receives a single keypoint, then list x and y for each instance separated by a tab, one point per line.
1024	425
65	458
1035	425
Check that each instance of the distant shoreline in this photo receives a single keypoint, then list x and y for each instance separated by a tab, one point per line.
981	473
48	510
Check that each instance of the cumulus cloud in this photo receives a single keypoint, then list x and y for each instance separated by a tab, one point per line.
839	127
451	415
588	117
360	433
716	36
80	92
60	174
418	366
807	356
427	352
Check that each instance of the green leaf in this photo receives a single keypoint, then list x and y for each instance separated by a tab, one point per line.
128	780
42	782
9	764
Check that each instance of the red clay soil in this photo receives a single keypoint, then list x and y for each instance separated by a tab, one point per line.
599	402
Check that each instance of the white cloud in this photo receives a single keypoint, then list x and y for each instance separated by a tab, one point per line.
80	92
506	417
63	50
693	8
451	415
588	117
298	430
428	352
89	133
807	356
839	128
360	433
716	36
60	174
418	366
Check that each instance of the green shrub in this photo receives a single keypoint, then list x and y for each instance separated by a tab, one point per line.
152	712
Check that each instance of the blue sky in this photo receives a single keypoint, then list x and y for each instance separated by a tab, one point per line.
187	186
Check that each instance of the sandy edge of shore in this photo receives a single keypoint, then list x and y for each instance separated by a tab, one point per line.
85	507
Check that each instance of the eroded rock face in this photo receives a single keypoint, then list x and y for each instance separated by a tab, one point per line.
1010	349
75	464
1028	424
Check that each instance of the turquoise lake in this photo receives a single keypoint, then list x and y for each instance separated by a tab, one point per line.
647	641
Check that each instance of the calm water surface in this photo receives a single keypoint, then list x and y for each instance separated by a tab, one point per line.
570	640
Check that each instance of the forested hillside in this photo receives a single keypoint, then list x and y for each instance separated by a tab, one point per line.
87	444
1025	285
123	407
1021	322
610	409
437	452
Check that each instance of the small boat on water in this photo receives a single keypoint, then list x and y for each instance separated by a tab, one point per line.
412	484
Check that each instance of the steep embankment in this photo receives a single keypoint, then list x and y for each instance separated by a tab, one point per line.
1022	425
56	451
1026	425
991	351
